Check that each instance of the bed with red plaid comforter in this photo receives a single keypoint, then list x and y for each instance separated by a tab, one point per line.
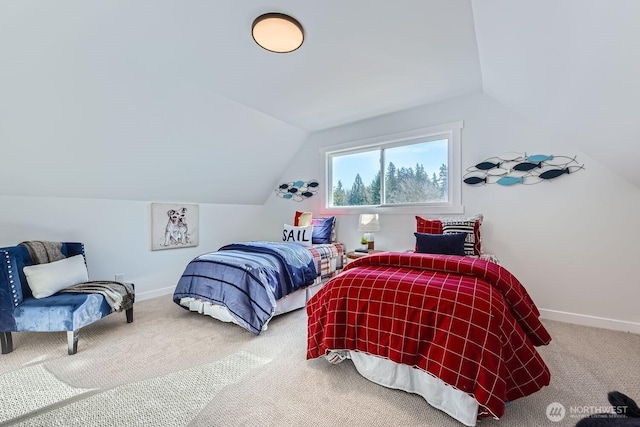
464	320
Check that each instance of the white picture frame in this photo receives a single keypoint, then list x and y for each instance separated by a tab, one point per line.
174	225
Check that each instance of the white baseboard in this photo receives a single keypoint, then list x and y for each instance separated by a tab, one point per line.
155	293
585	320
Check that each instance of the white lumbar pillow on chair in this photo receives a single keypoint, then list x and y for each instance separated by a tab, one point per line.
47	279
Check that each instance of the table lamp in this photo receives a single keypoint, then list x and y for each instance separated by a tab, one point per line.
368	223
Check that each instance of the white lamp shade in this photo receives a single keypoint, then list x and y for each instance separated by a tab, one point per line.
369	223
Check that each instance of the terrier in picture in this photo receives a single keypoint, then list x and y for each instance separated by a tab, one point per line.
176	230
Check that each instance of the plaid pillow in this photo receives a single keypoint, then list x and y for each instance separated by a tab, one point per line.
428	226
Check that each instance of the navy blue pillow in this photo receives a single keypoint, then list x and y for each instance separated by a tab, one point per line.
443	244
322	228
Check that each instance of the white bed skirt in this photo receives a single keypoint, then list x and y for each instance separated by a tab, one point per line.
293	301
458	404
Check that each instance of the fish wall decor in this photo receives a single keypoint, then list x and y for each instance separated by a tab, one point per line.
297	190
519	168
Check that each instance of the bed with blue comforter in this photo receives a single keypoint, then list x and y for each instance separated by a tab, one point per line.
243	282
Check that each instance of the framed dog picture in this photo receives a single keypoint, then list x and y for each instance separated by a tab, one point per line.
174	225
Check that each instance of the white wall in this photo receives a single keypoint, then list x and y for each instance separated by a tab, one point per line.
570	241
116	235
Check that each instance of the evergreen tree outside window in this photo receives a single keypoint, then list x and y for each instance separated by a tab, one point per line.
418	168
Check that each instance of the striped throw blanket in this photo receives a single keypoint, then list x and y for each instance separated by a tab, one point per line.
43	251
119	295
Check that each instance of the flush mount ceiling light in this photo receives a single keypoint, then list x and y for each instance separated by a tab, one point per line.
277	32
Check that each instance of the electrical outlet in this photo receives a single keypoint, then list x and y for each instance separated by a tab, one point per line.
120	277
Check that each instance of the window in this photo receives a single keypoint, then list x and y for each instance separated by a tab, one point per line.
399	172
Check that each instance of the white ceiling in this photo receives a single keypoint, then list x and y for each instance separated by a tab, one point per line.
172	100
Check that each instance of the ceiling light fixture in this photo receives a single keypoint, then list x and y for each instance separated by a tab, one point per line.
277	32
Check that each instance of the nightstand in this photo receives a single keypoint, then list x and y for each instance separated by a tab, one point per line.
356	255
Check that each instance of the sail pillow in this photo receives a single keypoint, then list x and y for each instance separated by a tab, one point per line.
299	235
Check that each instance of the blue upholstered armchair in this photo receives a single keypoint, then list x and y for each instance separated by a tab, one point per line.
66	311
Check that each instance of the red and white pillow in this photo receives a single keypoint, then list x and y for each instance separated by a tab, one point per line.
471	226
302	219
320	225
429	226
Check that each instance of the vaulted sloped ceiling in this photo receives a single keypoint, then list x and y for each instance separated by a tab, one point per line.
172	100
572	67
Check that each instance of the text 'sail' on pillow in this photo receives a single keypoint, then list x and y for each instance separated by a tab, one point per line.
298	235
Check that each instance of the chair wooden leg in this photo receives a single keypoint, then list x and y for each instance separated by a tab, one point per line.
129	313
72	342
6	342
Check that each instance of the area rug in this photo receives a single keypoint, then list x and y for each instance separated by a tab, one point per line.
169	400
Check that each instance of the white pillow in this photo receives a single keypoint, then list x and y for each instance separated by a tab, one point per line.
47	279
299	235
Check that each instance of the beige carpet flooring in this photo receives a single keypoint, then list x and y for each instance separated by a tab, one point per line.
174	368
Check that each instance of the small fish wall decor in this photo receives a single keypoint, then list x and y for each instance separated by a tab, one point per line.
297	190
520	168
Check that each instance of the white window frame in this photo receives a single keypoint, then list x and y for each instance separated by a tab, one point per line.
450	131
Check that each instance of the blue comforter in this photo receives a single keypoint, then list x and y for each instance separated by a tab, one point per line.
247	278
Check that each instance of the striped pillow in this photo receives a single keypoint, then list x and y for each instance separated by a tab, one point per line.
471	226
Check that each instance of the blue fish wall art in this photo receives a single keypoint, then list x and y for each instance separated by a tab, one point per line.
519	168
510	180
297	190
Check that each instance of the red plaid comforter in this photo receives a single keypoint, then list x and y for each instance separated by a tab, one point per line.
465	320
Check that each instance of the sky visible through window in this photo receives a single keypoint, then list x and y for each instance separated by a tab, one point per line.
429	154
